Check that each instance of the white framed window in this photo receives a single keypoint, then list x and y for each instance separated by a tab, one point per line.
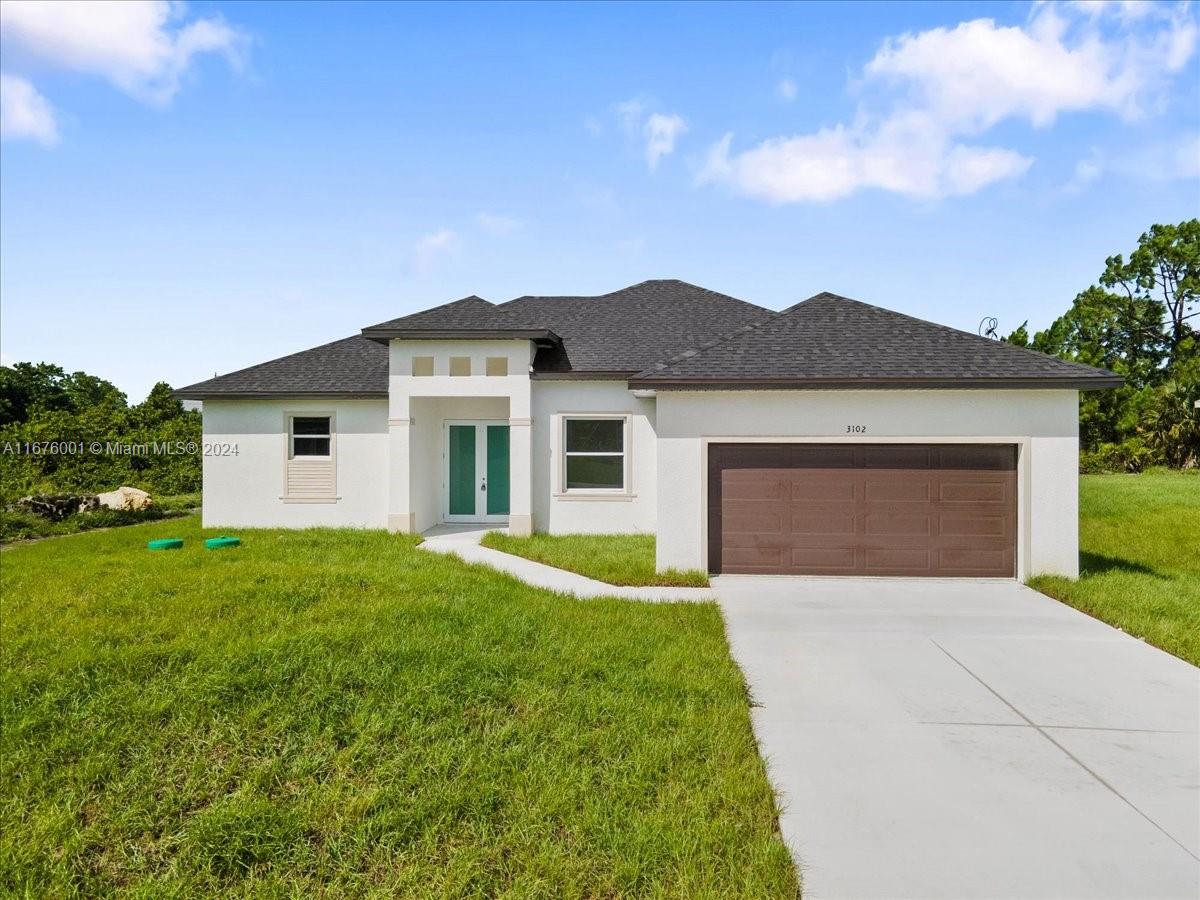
460	366
497	366
594	454
310	437
422	366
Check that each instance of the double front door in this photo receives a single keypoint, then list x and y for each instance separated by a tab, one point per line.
476	482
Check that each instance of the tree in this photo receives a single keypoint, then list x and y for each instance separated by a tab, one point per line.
1172	426
28	386
1164	269
1104	329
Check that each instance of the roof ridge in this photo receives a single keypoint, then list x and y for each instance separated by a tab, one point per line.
716	342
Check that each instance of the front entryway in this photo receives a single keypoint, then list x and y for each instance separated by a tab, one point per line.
476	471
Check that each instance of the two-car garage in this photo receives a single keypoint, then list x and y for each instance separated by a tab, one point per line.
862	509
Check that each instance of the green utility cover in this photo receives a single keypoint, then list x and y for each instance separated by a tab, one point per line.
497	470
223	541
165	544
462	470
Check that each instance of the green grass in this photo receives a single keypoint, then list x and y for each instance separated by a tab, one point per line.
336	713
625	559
1139	539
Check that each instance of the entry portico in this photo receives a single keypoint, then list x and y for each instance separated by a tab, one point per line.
437	389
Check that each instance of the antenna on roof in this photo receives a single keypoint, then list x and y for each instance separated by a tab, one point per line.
988	326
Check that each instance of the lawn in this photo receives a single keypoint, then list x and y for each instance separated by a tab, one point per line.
625	559
1139	538
333	713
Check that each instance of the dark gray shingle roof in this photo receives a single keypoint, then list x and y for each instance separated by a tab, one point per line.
630	329
670	333
835	341
352	366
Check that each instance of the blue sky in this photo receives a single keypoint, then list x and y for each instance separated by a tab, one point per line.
191	189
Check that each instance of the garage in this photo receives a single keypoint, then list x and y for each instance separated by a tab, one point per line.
862	509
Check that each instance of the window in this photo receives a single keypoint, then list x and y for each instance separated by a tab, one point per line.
497	365
422	366
460	365
310	436
594	450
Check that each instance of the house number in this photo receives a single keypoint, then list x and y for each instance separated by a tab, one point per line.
856	429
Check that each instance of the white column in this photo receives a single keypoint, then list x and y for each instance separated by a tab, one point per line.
520	476
401	516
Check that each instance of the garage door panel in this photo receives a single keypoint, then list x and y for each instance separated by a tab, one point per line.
958	525
766	558
863	509
750	485
883	489
824	559
893	524
755	521
815	487
974	492
818	522
975	561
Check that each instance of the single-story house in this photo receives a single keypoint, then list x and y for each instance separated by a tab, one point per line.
833	438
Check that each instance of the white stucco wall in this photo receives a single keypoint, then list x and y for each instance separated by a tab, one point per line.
1044	425
558	512
247	489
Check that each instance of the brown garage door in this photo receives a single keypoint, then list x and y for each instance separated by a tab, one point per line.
862	509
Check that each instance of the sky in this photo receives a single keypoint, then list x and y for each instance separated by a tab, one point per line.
191	189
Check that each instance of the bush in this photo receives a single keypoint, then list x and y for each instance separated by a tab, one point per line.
1130	455
19	525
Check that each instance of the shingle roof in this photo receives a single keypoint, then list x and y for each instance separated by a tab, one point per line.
669	334
352	366
627	330
834	341
470	316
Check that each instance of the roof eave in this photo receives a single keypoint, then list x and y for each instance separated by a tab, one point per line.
199	392
1064	382
384	335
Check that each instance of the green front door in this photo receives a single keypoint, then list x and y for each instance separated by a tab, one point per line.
462	470
497	470
477	471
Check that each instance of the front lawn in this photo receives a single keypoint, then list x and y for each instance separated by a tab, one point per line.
625	559
1139	539
336	713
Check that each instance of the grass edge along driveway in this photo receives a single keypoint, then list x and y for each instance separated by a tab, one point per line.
338	713
620	559
1139	541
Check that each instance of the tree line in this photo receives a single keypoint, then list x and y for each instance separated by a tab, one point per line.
1140	321
60	432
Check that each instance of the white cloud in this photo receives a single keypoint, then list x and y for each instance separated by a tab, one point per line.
656	131
661	132
24	113
786	90
928	96
143	47
498	225
432	247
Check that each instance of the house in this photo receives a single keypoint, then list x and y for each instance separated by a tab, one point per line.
831	438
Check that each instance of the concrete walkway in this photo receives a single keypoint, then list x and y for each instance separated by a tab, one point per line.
463	542
964	739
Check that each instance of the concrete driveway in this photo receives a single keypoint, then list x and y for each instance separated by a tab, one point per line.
968	739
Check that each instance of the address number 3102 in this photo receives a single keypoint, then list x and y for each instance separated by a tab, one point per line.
856	429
